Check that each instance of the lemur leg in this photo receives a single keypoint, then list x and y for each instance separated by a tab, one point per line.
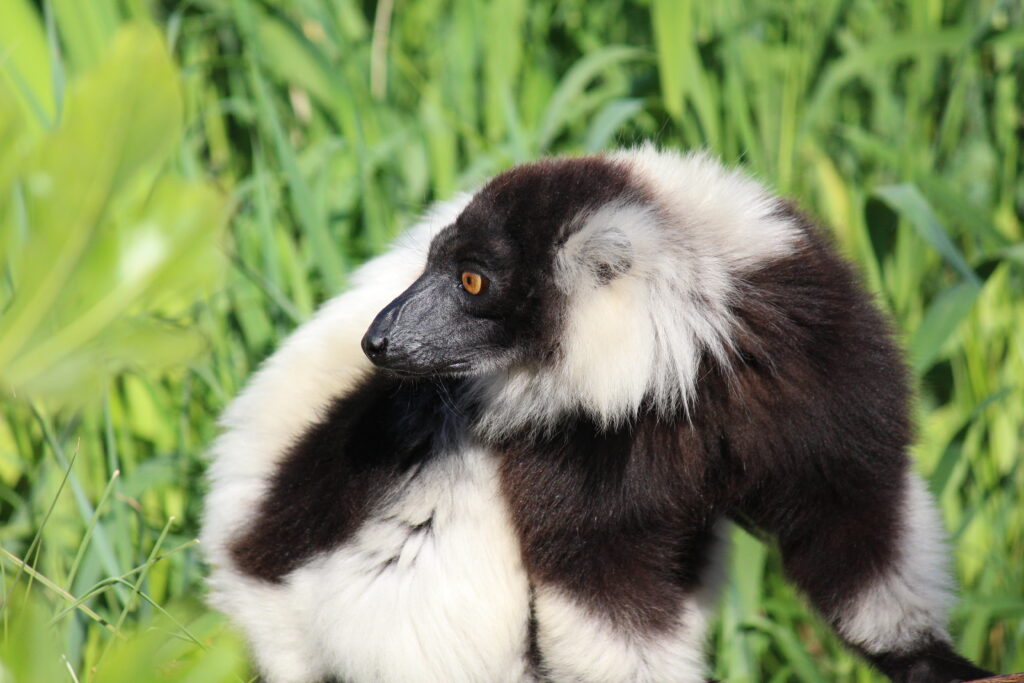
577	644
906	602
579	640
872	559
623	551
899	618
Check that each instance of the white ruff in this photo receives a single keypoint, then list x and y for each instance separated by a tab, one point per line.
675	263
909	604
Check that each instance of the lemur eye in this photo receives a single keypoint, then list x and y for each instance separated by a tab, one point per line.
475	283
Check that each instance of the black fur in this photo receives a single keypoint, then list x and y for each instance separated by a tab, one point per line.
814	421
325	486
620	518
534	657
932	662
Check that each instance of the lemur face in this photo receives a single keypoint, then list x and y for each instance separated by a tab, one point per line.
463	313
490	296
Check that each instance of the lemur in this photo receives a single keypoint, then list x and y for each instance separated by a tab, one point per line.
511	451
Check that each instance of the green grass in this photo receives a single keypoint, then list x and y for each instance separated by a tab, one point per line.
328	125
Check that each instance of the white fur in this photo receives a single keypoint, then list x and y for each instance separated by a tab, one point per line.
642	333
455	604
720	212
909	604
578	645
444	604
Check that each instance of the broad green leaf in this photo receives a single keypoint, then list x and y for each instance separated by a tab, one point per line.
16	141
108	238
86	28
25	66
112	129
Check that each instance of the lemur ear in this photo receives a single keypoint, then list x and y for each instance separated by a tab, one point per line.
603	254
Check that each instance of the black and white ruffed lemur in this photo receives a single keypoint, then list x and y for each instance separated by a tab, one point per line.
511	451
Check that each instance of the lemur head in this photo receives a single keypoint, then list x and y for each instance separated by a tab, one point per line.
493	293
590	284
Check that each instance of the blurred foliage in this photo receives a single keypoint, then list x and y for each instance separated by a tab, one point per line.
330	124
188	645
95	231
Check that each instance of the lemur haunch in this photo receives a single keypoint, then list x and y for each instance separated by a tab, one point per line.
569	382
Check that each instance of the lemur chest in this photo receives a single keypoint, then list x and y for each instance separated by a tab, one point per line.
430	587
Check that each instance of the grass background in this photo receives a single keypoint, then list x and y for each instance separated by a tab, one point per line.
249	154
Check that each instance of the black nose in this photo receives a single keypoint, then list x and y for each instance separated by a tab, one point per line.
374	345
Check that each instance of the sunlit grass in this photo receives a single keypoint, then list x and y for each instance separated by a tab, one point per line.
897	124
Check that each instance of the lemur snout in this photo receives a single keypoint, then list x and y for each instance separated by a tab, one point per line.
375	345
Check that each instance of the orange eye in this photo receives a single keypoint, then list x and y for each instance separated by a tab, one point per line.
474	283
